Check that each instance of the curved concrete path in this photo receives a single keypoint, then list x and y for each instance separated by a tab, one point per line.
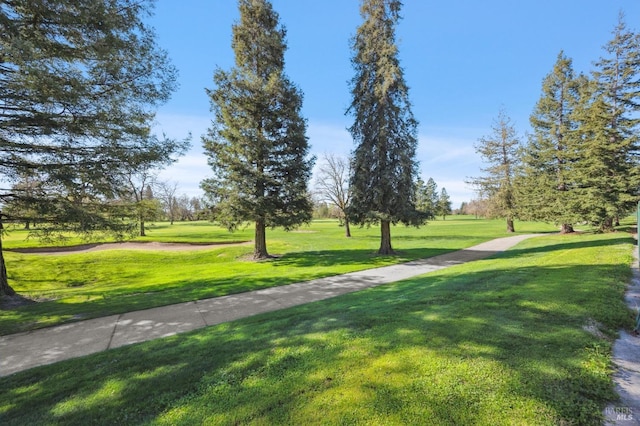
45	346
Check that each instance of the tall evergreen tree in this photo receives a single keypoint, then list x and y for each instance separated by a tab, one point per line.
426	198
545	183
420	199
603	165
384	130
444	204
617	95
257	145
500	151
80	81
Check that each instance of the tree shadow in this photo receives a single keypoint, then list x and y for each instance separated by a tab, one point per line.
15	301
569	245
324	258
348	256
526	321
196	288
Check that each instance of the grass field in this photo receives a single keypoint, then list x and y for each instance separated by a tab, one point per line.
501	341
87	285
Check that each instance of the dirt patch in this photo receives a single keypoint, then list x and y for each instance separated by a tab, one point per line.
594	327
153	246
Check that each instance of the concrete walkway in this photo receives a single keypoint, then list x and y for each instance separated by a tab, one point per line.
49	345
626	359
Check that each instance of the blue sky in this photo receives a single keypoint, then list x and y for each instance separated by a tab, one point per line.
463	61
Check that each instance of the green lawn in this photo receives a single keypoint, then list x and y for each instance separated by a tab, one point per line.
500	341
81	286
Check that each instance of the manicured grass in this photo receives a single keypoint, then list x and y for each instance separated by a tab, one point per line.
80	286
499	341
183	232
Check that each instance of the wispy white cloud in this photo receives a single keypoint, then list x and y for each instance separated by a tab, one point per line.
448	151
187	172
458	191
191	168
446	155
329	138
180	125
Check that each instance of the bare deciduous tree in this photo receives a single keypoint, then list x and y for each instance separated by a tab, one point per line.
166	191
332	185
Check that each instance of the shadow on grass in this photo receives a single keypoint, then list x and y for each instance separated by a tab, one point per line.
569	245
318	360
354	257
22	318
369	257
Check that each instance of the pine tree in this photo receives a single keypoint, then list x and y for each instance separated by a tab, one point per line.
617	95
463	208
545	183
257	146
500	151
431	196
80	82
384	169
444	204
603	167
426	198
420	199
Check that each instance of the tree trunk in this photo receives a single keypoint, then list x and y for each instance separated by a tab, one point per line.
347	228
142	233
566	228
510	227
385	238
607	225
260	241
5	288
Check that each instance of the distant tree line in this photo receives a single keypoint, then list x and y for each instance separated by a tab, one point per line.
159	201
332	194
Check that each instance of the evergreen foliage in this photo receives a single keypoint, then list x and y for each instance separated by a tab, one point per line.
384	130
545	185
257	144
427	198
80	81
611	117
500	151
444	204
605	173
581	163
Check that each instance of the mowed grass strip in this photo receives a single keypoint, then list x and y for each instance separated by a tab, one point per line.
506	340
73	287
